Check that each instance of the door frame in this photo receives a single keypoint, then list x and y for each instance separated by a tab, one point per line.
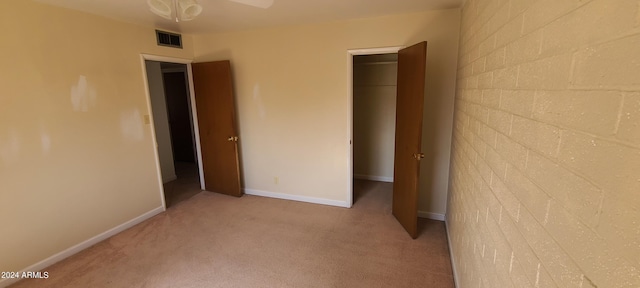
194	116
350	54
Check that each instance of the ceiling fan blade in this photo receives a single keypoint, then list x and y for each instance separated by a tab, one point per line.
264	4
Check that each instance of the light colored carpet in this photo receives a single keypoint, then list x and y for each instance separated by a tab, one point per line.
211	240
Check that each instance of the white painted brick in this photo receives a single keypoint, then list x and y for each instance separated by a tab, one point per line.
474	96
629	128
521	250
491	98
532	197
488	135
519	102
480	147
490	8
545	11
474	126
614	64
497	164
611	166
466	72
554	200
519	277
496	59
472	82
512	152
487	46
518	6
502	254
505	78
508	201
494	228
604	265
482	34
548	74
477	66
499	19
480	113
484	170
509	32
484	80
500	121
591	111
524	49
598	20
620	226
474	54
576	194
564	270
536	135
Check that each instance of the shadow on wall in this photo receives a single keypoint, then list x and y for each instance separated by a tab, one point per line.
437	116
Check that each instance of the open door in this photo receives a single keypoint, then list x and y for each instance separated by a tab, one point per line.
213	87
410	100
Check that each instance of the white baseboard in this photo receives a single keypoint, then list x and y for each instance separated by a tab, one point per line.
373	178
307	199
83	245
453	263
429	215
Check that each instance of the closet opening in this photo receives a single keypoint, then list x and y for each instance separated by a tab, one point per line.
374	85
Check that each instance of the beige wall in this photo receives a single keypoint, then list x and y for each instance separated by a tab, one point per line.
160	120
374	119
292	96
76	158
546	151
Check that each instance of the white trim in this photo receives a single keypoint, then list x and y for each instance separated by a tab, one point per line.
350	54
84	245
373	51
166	59
299	198
196	127
431	215
373	178
453	263
152	125
350	128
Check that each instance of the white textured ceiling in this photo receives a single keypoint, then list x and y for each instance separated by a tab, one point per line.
223	15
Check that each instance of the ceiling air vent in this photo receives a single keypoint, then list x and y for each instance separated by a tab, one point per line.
169	39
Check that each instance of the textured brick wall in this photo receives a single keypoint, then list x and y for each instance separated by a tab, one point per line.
545	177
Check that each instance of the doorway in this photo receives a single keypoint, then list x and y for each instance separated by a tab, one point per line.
175	131
411	92
363	64
374	118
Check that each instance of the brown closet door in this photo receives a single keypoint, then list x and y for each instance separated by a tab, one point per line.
410	99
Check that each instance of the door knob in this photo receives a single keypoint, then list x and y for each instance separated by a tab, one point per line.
418	156
233	139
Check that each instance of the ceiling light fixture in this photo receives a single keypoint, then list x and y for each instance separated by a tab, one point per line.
178	10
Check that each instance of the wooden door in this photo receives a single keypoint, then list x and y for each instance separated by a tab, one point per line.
215	106
410	99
